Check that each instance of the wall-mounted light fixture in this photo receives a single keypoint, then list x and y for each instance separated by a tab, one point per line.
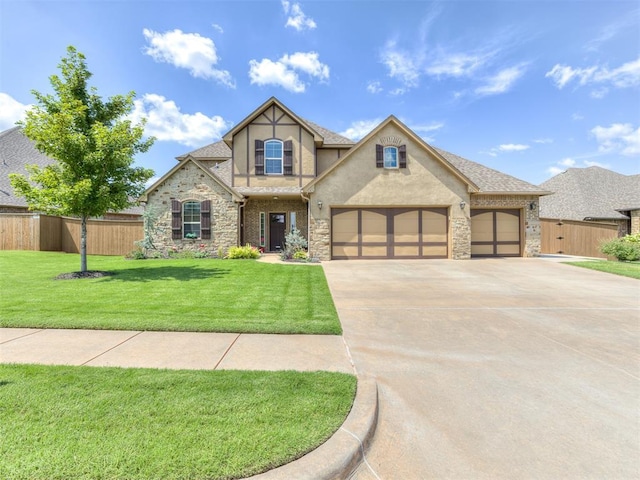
320	204
275	197
532	205
463	204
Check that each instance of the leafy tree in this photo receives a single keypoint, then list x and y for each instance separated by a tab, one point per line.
93	144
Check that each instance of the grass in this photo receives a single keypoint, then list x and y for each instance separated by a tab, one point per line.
242	296
627	269
111	423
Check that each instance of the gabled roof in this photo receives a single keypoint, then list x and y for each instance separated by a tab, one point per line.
590	193
214	151
490	181
228	137
330	138
17	151
393	120
211	172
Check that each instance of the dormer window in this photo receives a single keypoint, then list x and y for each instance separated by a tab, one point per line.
273	157
390	157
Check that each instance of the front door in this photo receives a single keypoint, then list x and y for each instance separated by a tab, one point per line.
277	227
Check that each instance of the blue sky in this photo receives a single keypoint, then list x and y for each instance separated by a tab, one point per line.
530	88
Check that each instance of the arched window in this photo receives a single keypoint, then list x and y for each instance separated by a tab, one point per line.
273	157
390	157
191	219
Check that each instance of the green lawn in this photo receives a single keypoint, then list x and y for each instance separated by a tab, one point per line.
111	423
627	269
206	295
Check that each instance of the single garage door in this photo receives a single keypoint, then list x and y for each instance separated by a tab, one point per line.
389	233
495	233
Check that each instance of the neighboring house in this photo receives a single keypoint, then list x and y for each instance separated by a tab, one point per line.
594	194
390	195
17	151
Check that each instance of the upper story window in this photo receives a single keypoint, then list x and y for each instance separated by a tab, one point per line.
273	157
390	157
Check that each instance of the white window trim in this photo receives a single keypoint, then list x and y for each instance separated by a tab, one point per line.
281	159
184	222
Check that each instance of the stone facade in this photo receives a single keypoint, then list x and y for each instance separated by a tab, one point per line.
320	239
190	182
635	221
460	231
531	216
253	208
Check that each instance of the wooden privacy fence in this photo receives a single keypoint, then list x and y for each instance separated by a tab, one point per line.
571	237
20	231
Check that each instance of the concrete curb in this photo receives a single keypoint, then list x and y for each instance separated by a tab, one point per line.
339	456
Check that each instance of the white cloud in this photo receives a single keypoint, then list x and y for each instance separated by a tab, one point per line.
401	65
11	111
618	137
374	87
359	129
189	51
512	147
458	64
167	123
567	162
555	170
284	72
543	141
217	27
590	163
627	75
577	116
422	130
501	82
398	91
297	19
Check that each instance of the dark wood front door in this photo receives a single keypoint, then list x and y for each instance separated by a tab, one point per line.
277	227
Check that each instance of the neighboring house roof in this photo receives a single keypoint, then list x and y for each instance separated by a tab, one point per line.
590	193
16	151
488	180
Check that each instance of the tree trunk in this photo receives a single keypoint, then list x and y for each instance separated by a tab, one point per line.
83	244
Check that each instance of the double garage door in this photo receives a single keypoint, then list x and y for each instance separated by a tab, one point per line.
419	233
389	233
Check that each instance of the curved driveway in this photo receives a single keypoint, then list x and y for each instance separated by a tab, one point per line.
495	369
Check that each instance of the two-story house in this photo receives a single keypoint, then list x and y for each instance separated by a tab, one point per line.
390	195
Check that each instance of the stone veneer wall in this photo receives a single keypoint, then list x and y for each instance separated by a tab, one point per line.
319	239
460	238
531	217
635	222
191	183
254	206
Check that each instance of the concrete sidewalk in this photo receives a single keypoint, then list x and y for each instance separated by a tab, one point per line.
175	350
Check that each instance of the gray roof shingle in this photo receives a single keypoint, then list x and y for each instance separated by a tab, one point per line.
488	179
330	137
16	151
215	150
593	192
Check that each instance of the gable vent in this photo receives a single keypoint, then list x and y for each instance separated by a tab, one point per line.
391	140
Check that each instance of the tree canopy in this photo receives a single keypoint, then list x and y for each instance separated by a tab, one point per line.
93	143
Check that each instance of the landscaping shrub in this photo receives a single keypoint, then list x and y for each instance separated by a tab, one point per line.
624	249
247	251
294	243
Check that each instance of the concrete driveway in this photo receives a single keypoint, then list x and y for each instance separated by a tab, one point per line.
505	368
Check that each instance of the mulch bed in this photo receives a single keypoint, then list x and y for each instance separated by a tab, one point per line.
87	274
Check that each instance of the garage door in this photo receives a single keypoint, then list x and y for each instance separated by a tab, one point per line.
389	233
495	233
